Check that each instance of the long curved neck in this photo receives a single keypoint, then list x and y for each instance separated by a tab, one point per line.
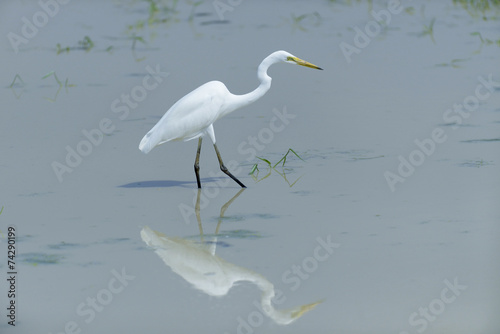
265	84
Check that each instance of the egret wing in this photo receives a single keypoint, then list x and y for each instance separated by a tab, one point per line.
189	117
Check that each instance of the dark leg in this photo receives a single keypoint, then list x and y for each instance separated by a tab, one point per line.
224	168
197	164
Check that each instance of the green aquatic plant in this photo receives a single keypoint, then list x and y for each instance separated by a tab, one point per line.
480	8
153	11
255	168
85	44
60	49
476	163
284	157
270	165
53	73
455	63
410	10
157	8
193	9
297	22
254	171
429	30
1	210
136	39
42	258
484	41
59	83
17	77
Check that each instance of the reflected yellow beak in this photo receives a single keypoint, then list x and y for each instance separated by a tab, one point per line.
305	308
301	62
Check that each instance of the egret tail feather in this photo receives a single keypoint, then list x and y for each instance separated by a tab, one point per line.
147	143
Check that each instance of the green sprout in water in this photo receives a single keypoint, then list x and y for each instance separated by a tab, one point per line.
85	44
17	77
455	63
270	165
160	11
410	10
153	11
255	169
484	41
60	49
17	82
297	21
429	30
59	82
193	9
284	157
136	38
479	8
52	73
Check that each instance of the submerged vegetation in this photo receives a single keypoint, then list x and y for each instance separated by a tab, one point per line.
85	44
254	171
454	63
15	82
480	8
255	166
59	83
429	30
18	82
301	21
36	259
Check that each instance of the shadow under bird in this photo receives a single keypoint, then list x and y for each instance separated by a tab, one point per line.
193	115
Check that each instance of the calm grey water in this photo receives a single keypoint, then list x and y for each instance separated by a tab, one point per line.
389	222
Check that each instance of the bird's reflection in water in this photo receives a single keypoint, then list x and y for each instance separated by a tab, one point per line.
198	264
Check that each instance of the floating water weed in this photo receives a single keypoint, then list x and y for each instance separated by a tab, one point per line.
297	22
52	73
60	84
193	9
17	77
455	63
85	44
429	30
477	8
284	157
255	169
484	41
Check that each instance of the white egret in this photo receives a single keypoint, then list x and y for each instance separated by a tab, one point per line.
193	115
198	264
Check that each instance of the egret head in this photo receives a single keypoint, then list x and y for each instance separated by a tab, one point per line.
291	59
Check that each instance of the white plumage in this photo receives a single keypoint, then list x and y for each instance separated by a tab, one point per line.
193	115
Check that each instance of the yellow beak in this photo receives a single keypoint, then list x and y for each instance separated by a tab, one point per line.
305	308
301	62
